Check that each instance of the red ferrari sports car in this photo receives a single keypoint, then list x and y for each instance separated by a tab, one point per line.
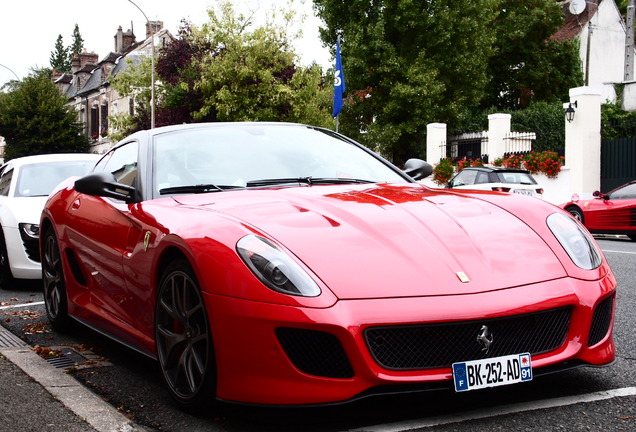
284	264
610	213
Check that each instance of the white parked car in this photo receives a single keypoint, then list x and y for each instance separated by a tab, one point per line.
25	184
499	179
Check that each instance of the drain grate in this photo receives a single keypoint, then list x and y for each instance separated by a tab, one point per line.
69	358
8	339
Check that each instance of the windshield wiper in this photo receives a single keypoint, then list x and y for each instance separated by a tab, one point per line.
201	188
304	180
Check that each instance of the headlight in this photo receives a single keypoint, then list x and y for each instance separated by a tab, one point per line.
29	231
576	241
275	268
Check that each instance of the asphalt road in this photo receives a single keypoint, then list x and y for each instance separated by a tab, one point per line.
584	399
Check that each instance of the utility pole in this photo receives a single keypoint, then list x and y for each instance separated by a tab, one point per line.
629	43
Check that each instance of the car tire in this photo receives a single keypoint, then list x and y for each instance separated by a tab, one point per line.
54	285
7	280
576	213
183	339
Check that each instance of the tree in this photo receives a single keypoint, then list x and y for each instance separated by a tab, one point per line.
528	65
227	71
251	74
78	43
408	63
59	58
34	119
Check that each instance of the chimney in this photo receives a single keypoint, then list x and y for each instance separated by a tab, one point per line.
119	40
153	27
75	63
129	40
87	58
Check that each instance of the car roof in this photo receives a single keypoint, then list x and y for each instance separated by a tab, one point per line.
497	169
185	126
51	157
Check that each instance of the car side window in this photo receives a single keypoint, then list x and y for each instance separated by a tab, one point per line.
5	180
122	162
466	177
482	177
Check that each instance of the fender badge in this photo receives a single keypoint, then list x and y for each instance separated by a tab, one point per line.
462	277
146	240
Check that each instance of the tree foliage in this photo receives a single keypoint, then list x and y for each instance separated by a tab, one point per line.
78	42
34	119
60	59
408	63
230	70
527	64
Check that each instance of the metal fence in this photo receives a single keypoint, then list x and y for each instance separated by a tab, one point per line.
471	146
522	143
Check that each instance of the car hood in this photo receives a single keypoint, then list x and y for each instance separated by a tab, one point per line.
16	210
394	241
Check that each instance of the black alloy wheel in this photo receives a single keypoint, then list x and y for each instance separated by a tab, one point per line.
54	286
6	277
183	338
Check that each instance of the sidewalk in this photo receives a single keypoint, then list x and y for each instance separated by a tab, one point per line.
36	396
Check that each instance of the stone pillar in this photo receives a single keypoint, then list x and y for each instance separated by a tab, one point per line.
583	142
435	142
498	128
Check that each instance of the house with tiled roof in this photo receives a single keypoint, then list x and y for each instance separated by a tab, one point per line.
601	32
88	87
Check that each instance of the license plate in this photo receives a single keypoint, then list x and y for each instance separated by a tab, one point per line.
492	372
523	192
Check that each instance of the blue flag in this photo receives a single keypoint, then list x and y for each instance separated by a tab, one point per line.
338	83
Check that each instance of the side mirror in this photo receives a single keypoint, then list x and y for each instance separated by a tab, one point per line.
598	194
418	169
104	184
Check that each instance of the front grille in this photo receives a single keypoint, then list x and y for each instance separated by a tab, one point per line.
601	321
438	345
315	352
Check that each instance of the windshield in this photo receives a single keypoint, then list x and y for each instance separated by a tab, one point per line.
240	155
39	179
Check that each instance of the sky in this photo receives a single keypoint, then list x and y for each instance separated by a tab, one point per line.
29	28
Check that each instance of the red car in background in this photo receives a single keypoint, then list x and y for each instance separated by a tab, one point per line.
610	213
285	264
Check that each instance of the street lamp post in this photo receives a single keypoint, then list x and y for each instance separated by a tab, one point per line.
11	70
152	62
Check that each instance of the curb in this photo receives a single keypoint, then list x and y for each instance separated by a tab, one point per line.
75	396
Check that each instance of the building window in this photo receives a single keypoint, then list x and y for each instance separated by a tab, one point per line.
94	123
103	131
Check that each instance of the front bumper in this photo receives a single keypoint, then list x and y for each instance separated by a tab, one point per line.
332	362
23	255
